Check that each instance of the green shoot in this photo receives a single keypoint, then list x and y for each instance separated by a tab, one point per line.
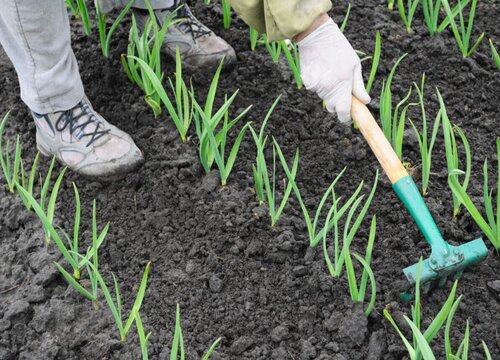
487	351
495	55
346	18
463	36
73	7
491	226
226	13
211	349
181	112
10	169
393	123
273	47
263	182
84	13
407	17
146	46
420	346
92	268
424	145
206	123
104	33
432	9
254	37
48	207
375	61
93	252
291	52
116	308
451	150
259	170
80	11
184	114
462	350
431	14
75	284
316	234
362	56
216	144
390	5
31	180
358	292
70	254
178	339
177	348
143	338
333	217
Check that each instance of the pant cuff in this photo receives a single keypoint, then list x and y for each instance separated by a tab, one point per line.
58	103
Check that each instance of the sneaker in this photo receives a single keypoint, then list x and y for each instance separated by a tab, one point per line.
198	45
82	140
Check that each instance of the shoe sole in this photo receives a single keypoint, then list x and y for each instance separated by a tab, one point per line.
102	179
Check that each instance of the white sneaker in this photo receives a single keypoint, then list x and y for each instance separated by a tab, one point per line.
198	45
81	139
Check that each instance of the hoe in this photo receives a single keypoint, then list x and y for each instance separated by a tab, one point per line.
446	260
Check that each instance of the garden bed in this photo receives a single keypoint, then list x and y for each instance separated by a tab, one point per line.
212	249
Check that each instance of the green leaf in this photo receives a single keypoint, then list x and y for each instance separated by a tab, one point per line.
441	317
143	339
177	341
486	351
49	228
421	341
459	192
75	284
113	27
409	348
495	55
211	349
375	62
111	304
346	18
447	340
139	298
367	269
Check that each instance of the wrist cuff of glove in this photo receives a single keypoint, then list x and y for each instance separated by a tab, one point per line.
318	32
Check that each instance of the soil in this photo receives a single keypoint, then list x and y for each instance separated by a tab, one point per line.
213	251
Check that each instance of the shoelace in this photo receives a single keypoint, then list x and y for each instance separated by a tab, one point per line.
68	118
190	24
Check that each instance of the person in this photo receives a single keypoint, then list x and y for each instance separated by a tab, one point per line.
36	37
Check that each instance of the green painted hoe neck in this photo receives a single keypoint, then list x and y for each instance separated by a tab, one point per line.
409	194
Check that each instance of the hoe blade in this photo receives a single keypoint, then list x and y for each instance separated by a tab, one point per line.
437	269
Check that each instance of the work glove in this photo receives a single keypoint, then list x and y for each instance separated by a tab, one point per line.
331	68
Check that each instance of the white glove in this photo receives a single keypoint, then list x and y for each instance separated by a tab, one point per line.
331	68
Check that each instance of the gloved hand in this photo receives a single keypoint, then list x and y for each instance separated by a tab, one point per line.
331	68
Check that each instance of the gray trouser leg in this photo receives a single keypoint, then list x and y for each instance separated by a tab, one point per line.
36	37
108	5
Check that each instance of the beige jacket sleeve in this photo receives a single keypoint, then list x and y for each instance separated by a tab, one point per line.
280	19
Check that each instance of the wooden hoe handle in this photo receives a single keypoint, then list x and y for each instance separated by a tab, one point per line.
377	141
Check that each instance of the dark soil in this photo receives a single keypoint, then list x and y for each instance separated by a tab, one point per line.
262	289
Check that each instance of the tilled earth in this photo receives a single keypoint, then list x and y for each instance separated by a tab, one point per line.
213	251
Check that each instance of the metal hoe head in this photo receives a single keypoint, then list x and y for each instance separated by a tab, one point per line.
446	262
